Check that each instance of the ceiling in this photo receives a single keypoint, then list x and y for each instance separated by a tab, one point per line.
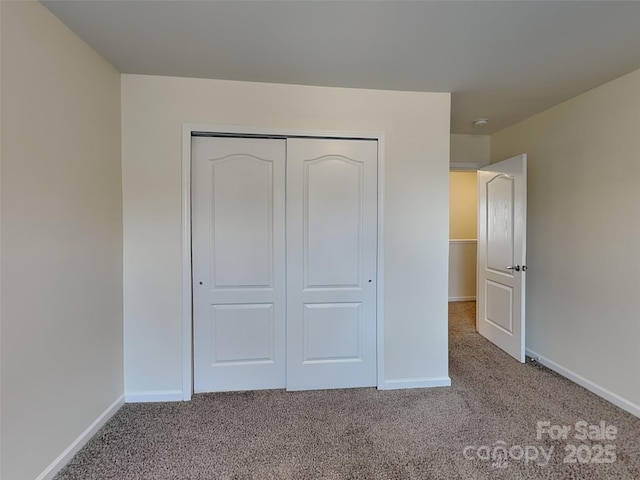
501	60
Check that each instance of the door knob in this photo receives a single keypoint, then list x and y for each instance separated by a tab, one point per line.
513	267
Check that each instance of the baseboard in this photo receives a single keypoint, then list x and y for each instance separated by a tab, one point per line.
154	396
617	400
79	442
462	299
399	383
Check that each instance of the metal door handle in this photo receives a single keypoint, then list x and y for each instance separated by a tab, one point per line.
513	267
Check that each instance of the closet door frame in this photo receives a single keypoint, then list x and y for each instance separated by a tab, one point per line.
191	129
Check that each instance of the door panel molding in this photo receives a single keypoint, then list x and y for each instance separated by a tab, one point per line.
194	129
223	252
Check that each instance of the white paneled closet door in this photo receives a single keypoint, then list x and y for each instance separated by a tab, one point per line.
331	263
284	294
238	249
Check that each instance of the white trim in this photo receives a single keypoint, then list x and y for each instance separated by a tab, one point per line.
187	306
464	166
463	241
380	271
427	382
283	132
81	440
157	396
462	299
602	392
187	314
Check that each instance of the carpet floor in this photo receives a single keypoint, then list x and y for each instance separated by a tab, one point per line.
482	427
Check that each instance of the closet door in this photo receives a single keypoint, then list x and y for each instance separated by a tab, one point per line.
331	263
238	248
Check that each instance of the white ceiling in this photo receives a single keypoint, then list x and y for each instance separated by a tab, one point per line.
503	60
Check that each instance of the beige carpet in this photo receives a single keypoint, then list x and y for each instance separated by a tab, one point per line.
442	433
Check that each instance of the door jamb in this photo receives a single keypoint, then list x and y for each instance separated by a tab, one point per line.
187	299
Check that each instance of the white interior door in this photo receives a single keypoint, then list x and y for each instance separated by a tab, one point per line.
331	263
502	222
238	249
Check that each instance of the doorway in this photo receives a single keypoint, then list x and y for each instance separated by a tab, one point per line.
499	204
463	225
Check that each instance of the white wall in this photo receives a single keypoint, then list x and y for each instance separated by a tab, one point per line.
463	204
416	126
583	236
470	149
61	244
462	270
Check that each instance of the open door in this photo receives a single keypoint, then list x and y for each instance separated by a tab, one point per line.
502	223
